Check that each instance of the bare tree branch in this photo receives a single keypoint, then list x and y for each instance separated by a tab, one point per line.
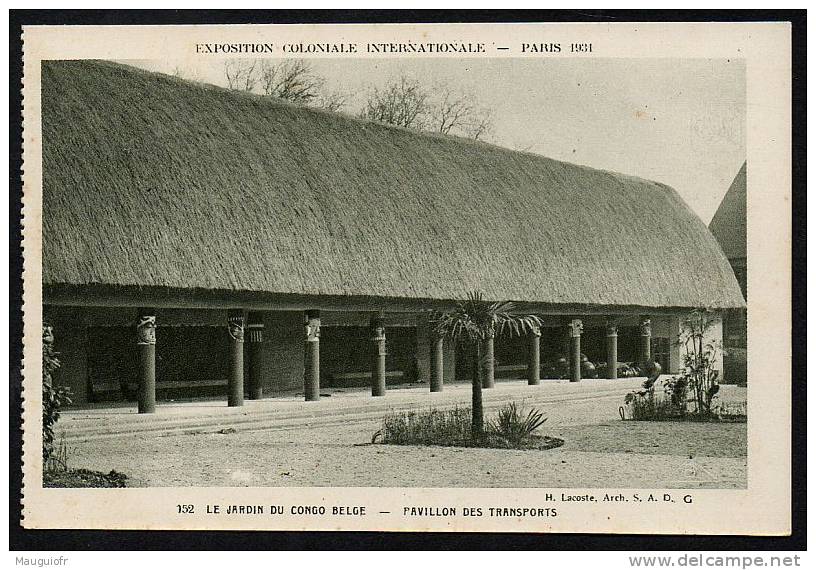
333	101
480	124
407	103
456	114
403	102
291	80
241	74
450	112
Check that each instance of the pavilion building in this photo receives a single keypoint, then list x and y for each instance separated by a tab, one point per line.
200	242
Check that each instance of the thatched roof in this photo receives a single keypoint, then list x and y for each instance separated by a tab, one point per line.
729	222
153	181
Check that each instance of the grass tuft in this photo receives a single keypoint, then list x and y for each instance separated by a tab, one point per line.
427	428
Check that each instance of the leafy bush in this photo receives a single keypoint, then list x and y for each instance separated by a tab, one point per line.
697	384
53	397
677	391
645	405
513	426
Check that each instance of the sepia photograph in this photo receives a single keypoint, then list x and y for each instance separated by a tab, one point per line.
444	273
517	278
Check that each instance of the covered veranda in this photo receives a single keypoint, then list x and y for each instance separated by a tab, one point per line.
253	346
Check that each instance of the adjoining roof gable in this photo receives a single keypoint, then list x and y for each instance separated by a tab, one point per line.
729	222
152	181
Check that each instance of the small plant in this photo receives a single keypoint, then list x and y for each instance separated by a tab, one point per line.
58	460
512	425
699	360
697	385
676	390
645	405
53	397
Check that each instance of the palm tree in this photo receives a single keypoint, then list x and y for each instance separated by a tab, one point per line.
472	322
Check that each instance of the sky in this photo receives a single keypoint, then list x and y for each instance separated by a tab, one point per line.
677	121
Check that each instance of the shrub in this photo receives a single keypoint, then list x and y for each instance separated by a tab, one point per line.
512	425
644	404
676	389
53	397
433	427
698	382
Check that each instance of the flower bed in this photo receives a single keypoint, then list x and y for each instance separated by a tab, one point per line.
510	429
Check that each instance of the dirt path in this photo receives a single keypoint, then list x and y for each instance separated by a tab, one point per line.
600	451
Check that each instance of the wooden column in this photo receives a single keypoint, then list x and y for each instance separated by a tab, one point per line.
311	375
423	356
611	350
378	361
534	358
449	361
235	381
70	326
645	341
675	361
146	342
437	362
575	329
489	377
255	330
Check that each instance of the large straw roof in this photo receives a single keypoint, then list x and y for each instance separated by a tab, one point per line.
150	181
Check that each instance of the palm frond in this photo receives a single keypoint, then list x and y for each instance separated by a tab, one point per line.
517	325
475	318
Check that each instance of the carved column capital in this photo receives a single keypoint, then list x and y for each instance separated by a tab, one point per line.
146	330
235	326
47	334
312	326
646	327
611	329
575	327
377	329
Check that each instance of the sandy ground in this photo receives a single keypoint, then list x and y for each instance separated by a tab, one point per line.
289	447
